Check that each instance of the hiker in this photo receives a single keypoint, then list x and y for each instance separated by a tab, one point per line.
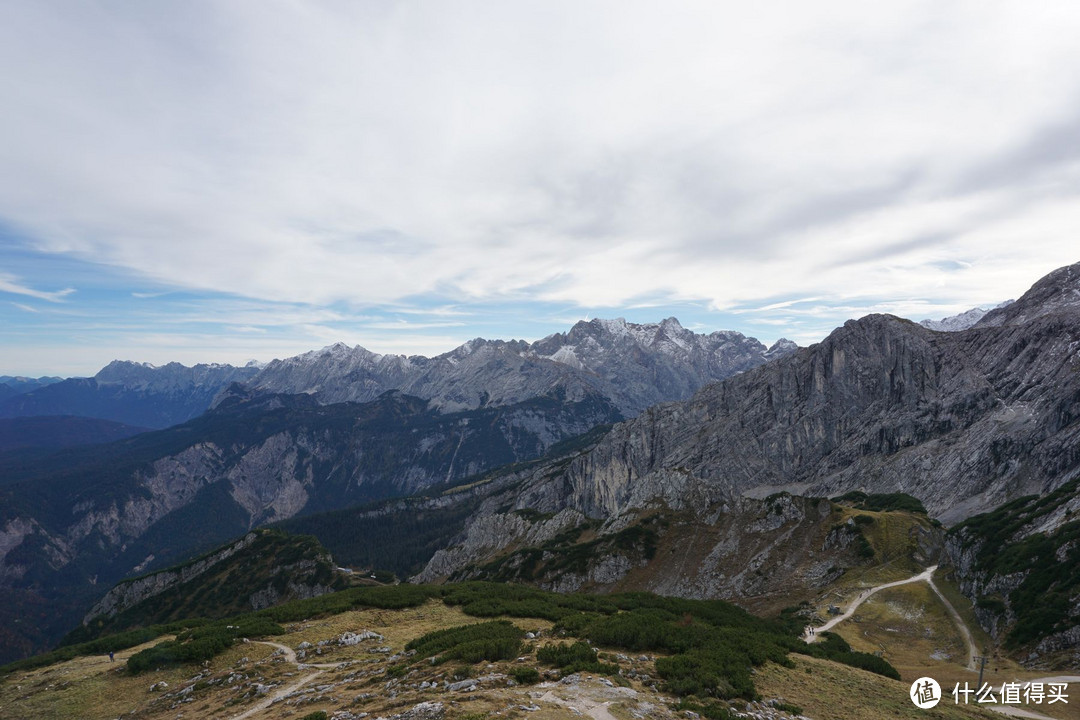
110	656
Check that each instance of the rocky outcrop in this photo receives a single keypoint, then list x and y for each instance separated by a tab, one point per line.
1018	565
492	532
263	568
765	553
963	421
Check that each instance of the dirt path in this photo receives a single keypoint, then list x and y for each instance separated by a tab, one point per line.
1024	712
960	624
269	700
865	595
926	576
1014	711
290	656
592	708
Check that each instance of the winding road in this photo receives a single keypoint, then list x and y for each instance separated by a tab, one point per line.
926	576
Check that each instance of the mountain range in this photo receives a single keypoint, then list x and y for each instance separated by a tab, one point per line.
633	365
964	421
726	471
137	394
963	321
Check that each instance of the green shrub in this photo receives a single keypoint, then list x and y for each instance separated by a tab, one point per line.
579	657
525	675
200	643
496	640
835	648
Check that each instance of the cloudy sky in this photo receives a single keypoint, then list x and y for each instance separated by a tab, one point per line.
222	181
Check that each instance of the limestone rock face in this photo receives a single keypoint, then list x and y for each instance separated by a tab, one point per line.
964	421
135	591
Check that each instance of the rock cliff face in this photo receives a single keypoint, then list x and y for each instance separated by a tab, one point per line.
95	515
132	592
765	554
964	421
1018	564
633	366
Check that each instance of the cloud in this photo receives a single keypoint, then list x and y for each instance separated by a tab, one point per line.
11	284
405	325
586	155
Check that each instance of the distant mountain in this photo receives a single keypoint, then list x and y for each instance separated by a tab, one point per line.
136	394
632	365
963	321
80	519
16	385
57	431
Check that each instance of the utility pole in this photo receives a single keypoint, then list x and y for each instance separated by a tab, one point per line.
982	666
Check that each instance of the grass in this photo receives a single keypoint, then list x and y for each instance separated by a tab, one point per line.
947	585
88	687
827	691
365	683
908	625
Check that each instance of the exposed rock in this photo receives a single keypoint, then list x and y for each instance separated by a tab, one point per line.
632	365
423	711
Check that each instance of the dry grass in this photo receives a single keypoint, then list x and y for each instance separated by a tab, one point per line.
86	687
827	691
947	586
94	689
910	627
908	624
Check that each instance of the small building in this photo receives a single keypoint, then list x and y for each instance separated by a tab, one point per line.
835	610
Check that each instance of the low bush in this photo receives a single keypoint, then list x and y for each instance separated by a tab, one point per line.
497	640
525	675
579	657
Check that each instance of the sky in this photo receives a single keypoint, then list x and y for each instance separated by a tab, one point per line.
226	181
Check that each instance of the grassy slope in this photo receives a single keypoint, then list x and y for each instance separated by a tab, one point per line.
94	689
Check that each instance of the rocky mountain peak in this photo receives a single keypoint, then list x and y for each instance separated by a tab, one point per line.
1057	292
633	365
781	347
